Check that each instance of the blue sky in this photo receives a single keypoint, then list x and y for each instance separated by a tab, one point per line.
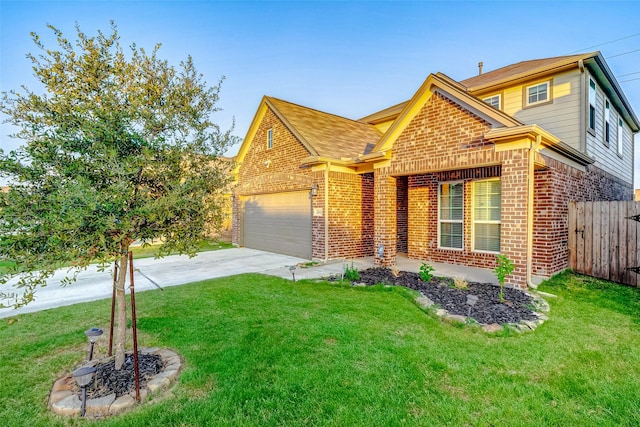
347	58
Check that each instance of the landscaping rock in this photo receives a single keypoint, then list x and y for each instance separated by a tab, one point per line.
121	404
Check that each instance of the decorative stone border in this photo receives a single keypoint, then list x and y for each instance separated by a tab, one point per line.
64	398
541	306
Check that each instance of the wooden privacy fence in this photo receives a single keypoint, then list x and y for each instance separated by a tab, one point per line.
603	240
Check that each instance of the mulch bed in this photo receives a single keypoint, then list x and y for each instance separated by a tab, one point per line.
487	310
107	380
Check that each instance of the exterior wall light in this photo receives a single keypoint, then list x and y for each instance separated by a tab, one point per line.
83	377
314	190
381	250
92	335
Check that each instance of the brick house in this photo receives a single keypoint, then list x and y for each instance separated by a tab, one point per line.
459	173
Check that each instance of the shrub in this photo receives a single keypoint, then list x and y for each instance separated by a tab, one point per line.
503	268
351	273
460	283
426	272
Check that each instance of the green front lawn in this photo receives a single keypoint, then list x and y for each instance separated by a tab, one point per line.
264	351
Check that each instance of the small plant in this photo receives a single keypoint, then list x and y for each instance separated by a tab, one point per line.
351	273
460	283
395	271
426	272
503	268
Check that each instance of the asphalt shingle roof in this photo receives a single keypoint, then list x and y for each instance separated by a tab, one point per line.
521	69
330	135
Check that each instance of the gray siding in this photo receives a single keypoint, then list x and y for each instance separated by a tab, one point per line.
606	155
561	117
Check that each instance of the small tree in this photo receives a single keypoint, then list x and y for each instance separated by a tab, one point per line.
120	147
503	268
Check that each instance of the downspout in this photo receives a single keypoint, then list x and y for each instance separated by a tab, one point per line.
530	206
326	212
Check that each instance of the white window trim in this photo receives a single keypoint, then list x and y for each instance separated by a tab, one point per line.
473	215
526	94
499	107
451	221
620	137
270	139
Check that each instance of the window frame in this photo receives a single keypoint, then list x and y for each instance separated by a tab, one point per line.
499	107
269	138
526	89
620	137
474	221
450	221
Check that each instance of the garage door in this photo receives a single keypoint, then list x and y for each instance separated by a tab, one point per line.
278	222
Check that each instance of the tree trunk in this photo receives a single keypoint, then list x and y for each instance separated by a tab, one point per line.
121	304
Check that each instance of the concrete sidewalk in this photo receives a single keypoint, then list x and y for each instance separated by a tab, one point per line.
177	270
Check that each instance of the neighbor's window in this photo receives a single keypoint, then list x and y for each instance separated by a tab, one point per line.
486	215
269	139
450	215
620	137
537	93
607	127
592	105
494	101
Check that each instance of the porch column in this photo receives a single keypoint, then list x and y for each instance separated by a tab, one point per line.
385	218
513	234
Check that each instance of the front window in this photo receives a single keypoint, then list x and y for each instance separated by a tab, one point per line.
592	105
494	101
269	139
486	215
537	94
450	215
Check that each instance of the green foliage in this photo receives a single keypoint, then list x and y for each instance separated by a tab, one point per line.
426	272
504	267
119	147
313	353
351	273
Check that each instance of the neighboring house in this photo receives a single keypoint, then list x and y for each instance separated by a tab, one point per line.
461	172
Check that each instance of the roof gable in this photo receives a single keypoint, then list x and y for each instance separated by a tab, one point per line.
322	134
326	135
451	89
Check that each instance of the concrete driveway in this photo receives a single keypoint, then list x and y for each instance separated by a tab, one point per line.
169	271
177	270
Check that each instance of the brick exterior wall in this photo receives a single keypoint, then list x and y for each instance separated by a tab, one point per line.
441	141
555	186
270	170
350	215
278	169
